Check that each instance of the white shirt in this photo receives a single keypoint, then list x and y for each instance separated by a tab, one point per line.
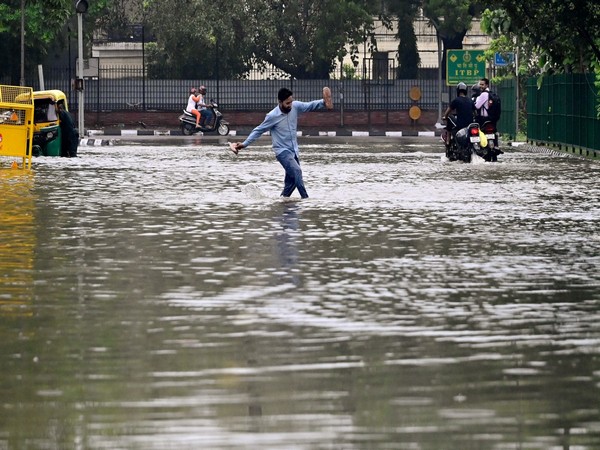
202	101
481	104
191	103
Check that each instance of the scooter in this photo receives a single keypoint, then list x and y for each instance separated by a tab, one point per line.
461	146
188	122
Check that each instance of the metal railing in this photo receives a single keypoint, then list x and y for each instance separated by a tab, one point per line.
127	88
507	90
563	110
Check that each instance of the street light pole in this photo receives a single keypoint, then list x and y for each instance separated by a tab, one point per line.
80	101
22	42
439	80
439	73
81	7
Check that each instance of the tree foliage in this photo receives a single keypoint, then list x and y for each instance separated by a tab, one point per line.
303	38
196	39
46	24
452	20
38	15
563	35
306	37
405	13
118	17
551	37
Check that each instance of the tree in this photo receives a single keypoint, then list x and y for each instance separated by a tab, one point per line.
564	35
44	20
405	12
118	17
451	20
196	40
554	36
305	38
45	25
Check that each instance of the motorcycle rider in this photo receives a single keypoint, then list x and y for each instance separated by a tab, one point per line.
462	107
191	106
203	105
475	91
481	102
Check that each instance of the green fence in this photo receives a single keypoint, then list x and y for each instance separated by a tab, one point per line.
507	90
563	111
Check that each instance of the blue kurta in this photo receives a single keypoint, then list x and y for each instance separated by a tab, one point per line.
283	127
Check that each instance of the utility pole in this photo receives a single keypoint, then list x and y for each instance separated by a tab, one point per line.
81	7
22	43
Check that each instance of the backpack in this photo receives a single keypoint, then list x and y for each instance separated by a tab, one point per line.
494	106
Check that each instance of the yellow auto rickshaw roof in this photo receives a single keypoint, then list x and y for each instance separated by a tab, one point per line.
53	94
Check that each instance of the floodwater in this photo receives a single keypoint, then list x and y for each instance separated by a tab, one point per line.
160	295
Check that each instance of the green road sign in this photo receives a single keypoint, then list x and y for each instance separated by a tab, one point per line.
467	66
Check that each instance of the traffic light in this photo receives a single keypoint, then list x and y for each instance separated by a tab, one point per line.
81	6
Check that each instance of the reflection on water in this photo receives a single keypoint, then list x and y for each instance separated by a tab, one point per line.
175	301
17	242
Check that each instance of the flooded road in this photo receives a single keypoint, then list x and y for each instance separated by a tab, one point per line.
160	295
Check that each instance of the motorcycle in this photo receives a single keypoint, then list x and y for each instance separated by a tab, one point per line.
188	123
461	146
492	150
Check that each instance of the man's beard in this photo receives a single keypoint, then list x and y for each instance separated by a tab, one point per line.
285	110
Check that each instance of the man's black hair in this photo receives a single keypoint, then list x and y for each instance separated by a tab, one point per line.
283	94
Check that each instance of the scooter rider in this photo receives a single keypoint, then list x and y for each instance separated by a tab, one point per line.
462	107
204	106
191	106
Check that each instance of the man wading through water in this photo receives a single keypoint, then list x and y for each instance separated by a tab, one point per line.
282	122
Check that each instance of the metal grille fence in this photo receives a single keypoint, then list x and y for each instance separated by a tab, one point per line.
563	110
126	88
507	90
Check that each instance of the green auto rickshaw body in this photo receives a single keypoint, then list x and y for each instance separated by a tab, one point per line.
49	133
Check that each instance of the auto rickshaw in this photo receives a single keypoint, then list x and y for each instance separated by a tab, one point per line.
16	130
53	136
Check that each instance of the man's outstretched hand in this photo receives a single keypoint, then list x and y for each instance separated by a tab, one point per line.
235	147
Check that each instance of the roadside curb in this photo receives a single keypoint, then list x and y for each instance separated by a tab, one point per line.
561	151
104	134
85	142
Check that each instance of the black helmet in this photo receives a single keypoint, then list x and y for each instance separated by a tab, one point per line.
202	89
475	90
461	87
